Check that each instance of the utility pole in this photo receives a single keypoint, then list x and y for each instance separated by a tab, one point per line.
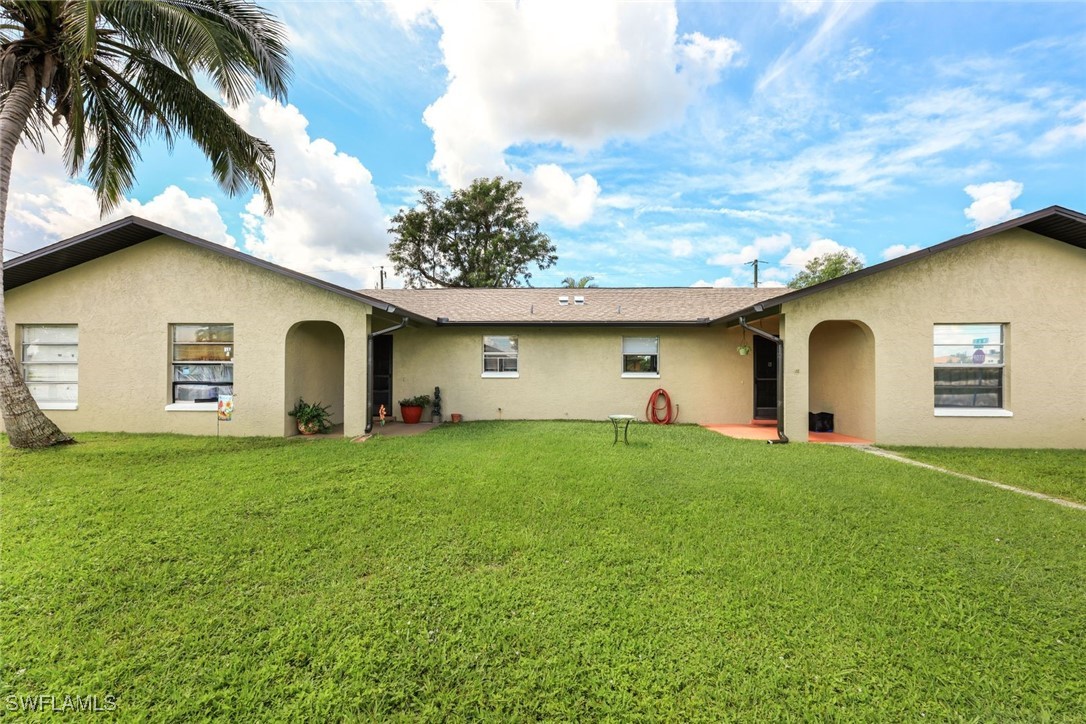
755	264
381	277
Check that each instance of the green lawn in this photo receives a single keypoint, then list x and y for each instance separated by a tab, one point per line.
1061	473
532	570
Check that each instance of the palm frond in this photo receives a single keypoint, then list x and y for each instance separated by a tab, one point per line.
115	71
236	44
111	167
238	159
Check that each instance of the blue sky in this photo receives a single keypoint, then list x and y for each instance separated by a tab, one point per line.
659	144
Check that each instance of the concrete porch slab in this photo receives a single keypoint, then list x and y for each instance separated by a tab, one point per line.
765	432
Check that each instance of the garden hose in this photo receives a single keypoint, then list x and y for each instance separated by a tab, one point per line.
660	414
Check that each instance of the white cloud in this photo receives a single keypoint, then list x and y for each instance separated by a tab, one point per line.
992	202
721	282
573	73
681	248
327	217
797	257
728	282
46	205
896	250
801	9
762	246
924	138
855	64
548	189
1071	132
838	17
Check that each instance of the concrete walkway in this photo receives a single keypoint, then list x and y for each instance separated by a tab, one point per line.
1003	486
394	428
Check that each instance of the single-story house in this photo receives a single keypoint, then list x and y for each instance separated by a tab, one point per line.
979	340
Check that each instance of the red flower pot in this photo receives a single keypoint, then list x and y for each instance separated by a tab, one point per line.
411	414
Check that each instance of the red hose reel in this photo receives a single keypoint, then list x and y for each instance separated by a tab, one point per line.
658	410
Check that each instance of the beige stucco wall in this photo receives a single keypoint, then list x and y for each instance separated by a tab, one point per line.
124	304
314	368
1031	283
575	373
842	376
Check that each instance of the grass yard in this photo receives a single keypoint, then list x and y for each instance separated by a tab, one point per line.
1061	473
532	570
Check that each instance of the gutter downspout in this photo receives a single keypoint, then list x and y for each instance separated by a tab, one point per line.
369	370
782	438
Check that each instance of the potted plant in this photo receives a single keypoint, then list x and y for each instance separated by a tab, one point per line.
311	418
743	349
411	408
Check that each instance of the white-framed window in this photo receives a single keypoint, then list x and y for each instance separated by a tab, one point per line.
640	356
50	360
969	361
500	356
201	362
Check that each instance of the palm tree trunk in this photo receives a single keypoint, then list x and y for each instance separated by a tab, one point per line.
24	422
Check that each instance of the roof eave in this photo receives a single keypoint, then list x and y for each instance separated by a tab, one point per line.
586	323
161	230
1018	223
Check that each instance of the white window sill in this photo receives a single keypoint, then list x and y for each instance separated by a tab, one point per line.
501	375
972	412
193	407
641	375
58	405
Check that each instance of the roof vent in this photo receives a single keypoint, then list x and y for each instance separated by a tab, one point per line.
563	300
578	299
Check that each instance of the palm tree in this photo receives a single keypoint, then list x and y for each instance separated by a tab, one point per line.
582	283
104	75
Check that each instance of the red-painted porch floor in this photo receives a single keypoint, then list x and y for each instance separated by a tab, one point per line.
763	431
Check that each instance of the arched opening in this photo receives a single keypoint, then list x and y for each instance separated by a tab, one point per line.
314	368
842	376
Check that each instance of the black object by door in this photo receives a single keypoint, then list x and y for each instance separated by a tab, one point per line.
765	379
382	374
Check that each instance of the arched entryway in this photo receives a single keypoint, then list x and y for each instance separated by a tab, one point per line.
314	368
842	376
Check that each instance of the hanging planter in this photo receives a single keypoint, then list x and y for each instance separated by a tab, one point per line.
743	349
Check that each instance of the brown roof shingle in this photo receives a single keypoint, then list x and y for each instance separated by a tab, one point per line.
650	305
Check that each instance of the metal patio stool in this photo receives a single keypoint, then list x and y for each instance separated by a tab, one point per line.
615	420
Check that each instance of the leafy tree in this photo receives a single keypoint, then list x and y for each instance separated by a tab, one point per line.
582	283
825	267
480	236
103	76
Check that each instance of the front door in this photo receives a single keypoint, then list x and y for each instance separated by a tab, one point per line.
765	379
382	374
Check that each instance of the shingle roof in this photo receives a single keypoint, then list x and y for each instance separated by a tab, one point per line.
675	305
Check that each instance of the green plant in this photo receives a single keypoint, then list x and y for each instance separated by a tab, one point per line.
312	416
416	401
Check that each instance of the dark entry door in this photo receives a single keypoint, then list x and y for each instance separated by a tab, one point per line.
382	374
765	379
